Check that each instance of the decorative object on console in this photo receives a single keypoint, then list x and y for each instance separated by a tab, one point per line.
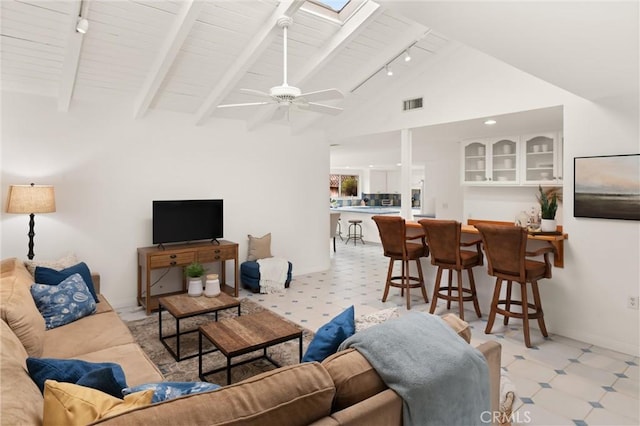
548	208
212	286
31	199
607	187
194	271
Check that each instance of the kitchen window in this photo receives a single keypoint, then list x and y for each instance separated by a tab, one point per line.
343	185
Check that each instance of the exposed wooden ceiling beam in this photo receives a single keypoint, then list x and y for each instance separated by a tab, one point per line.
260	41
71	57
175	38
358	22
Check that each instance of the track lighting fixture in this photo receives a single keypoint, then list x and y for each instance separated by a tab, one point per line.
407	55
82	25
388	70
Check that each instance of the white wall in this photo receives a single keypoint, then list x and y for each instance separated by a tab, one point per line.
586	300
107	168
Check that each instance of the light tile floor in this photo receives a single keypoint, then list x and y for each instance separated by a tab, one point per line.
559	382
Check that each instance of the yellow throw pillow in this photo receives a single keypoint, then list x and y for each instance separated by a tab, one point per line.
71	404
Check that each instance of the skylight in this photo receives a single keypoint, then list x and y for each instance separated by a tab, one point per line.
335	5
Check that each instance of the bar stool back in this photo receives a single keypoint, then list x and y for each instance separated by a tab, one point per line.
505	247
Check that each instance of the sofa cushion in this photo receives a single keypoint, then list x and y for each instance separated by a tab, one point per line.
137	367
72	371
67	260
383	409
21	400
71	404
63	303
354	378
19	311
50	276
293	395
88	334
164	391
329	336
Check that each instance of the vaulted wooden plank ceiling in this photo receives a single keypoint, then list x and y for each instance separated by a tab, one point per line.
191	56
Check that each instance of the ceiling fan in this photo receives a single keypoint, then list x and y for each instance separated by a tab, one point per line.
282	97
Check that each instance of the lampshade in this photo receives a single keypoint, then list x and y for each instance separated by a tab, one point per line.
31	199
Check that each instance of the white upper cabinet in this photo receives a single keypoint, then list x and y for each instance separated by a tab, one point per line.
504	161
542	160
521	160
475	162
490	161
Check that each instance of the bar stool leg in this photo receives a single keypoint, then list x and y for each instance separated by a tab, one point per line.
436	289
538	302
494	306
507	305
472	283
460	294
525	315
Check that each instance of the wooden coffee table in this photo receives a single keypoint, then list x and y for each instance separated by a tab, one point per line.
182	306
241	335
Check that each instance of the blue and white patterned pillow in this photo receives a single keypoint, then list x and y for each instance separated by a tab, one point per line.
63	303
168	390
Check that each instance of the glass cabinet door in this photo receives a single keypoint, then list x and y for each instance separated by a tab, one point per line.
540	158
504	161
475	162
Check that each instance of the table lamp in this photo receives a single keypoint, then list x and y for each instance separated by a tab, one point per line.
31	199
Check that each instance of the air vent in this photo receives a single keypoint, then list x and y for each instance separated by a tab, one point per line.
410	104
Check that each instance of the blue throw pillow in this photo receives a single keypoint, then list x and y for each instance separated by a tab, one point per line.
74	370
329	336
169	390
63	303
103	380
50	276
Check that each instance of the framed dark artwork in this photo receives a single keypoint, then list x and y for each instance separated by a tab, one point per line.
607	187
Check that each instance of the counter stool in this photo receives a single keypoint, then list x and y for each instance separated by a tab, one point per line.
506	249
355	231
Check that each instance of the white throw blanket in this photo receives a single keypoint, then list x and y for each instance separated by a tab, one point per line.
273	274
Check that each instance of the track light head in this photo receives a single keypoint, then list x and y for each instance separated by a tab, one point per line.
407	56
388	70
82	25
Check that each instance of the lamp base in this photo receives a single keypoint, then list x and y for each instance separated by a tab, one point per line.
31	234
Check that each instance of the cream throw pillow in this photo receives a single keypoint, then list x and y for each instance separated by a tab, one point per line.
71	404
259	248
58	264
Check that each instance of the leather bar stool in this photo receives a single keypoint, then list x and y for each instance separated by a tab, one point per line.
505	247
443	238
397	246
355	231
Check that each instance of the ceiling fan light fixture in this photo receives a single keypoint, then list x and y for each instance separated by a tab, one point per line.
388	70
407	56
82	26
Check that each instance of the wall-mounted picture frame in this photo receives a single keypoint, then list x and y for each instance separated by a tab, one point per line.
607	187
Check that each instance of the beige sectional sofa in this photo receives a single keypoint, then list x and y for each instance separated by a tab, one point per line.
342	390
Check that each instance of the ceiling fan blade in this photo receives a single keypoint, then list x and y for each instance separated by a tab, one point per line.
255	93
245	104
323	109
321	95
280	112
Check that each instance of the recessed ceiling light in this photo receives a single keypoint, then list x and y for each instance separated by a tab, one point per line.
490	122
370	165
398	164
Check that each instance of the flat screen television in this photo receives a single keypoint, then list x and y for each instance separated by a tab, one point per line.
187	220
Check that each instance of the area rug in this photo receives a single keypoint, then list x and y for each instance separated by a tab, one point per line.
145	331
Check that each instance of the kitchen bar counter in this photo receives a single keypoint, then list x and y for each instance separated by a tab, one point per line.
557	241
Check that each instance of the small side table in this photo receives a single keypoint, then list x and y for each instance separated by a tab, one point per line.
182	306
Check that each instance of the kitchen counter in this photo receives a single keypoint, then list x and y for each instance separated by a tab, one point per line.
368	209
